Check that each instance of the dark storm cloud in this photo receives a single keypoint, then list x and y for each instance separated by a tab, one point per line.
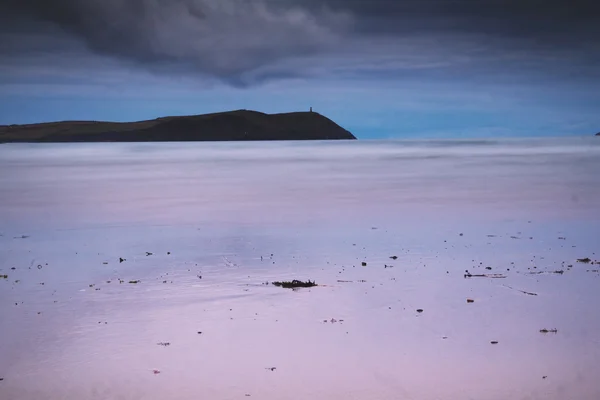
502	17
223	38
242	41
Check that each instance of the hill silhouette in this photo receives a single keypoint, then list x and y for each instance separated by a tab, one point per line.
240	125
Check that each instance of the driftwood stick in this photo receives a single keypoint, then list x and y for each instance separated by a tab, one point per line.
470	275
522	291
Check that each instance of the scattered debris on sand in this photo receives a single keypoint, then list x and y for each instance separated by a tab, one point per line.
295	284
548	330
333	320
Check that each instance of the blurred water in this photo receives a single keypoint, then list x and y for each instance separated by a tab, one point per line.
221	219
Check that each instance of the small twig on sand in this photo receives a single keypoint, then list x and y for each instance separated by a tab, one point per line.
522	291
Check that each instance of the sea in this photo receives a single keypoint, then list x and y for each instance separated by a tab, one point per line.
444	269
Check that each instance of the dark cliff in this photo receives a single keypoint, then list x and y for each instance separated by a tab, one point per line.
225	126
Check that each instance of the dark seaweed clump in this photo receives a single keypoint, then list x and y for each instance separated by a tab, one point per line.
295	284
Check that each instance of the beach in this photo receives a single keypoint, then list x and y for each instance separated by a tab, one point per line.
445	269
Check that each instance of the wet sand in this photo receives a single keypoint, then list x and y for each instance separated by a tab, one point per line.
220	222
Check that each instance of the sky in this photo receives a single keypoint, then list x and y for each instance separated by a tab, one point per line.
379	68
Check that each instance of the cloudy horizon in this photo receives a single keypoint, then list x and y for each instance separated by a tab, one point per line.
379	68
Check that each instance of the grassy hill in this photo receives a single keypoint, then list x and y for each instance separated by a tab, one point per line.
224	126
